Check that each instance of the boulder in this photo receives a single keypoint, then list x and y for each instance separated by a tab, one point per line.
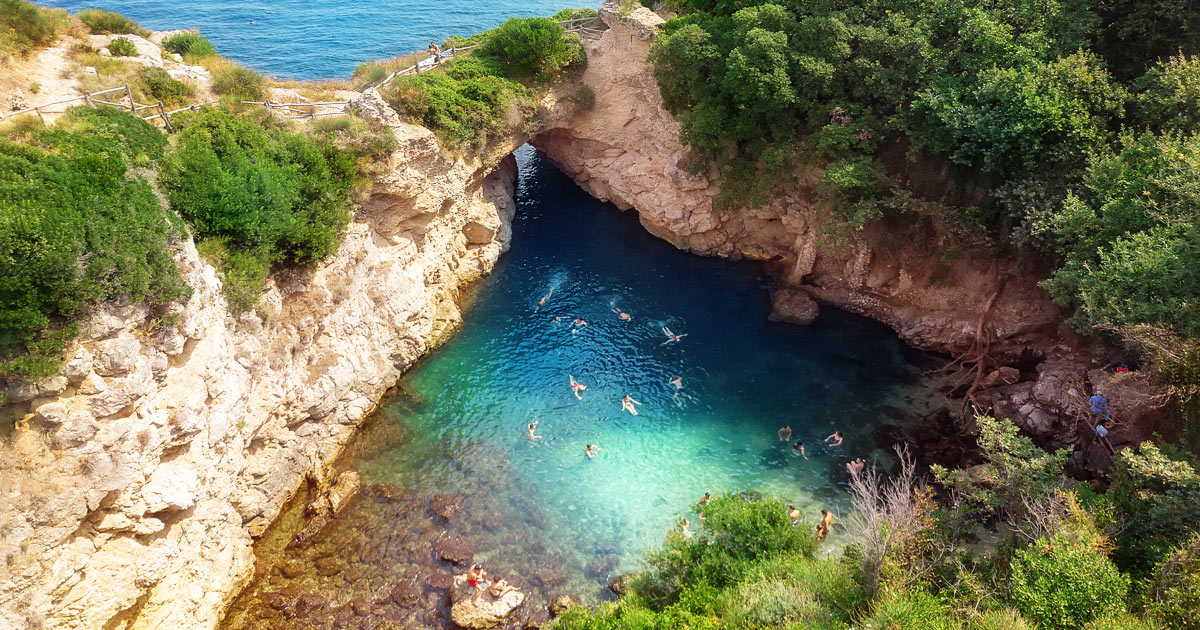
550	578
172	486
486	612
454	549
793	306
620	584
445	505
117	356
562	604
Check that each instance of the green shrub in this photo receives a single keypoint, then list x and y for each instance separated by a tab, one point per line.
1061	584
1125	621
910	610
160	86
101	22
1158	499
466	105
122	47
531	48
25	26
1175	588
192	46
76	228
999	620
272	196
239	82
1169	95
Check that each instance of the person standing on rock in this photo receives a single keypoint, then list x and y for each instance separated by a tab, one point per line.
793	514
1099	407
435	53
477	579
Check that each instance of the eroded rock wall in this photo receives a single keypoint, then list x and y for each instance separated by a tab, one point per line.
136	479
626	149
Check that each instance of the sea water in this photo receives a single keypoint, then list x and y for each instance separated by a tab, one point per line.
458	423
302	39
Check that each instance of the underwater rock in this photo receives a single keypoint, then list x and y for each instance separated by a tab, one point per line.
486	612
603	565
562	604
550	578
406	593
446	505
441	581
307	535
620	584
291	568
454	549
327	567
793	306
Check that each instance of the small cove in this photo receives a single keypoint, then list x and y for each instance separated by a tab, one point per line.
539	512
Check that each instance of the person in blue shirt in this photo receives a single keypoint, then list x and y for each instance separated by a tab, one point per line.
1099	406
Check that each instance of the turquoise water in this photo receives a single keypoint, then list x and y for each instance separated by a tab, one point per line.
300	39
458	421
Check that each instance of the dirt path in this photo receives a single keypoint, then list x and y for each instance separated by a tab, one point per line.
40	79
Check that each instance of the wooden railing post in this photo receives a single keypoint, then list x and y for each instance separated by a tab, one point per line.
166	119
129	93
39	113
87	96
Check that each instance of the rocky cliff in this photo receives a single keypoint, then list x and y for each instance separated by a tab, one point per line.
626	149
135	479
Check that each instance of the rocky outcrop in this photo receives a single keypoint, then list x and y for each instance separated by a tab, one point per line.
136	480
626	149
485	612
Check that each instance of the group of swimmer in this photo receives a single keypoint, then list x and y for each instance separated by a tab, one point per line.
478	580
836	438
627	403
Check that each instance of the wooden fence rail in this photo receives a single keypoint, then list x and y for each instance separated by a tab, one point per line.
422	64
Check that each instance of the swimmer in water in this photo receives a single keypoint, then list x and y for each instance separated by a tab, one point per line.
835	438
677	382
703	502
542	302
622	314
591	450
531	431
627	404
671	337
578	325
793	515
785	434
577	387
798	449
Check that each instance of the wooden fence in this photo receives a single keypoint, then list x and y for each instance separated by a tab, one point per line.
297	110
421	65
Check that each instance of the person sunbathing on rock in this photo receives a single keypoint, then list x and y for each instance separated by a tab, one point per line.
477	579
499	588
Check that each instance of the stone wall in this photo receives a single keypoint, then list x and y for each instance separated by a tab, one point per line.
136	479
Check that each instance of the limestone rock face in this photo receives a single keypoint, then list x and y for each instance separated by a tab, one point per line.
136	479
487	612
626	149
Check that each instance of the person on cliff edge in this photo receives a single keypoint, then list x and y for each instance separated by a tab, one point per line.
435	53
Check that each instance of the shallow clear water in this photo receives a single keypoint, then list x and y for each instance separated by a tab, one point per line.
458	422
301	39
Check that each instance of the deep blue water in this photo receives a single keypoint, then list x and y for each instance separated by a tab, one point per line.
302	39
463	411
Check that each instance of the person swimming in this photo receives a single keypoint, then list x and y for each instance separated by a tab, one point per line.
671	337
705	499
677	382
627	404
621	314
798	449
835	438
591	451
577	387
542	302
531	431
578	324
785	434
793	515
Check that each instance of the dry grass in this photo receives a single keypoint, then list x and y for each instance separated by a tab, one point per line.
319	91
374	71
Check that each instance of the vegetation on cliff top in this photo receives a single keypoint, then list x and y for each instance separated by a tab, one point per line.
1060	563
25	26
477	97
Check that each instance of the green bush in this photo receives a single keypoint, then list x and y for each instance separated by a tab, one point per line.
101	22
1124	622
1157	497
239	82
160	86
25	26
466	105
1175	588
76	228
1061	584
910	610
999	620
531	48
192	46
1169	95
272	196
122	47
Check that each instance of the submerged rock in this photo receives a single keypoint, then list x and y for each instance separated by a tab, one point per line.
486	612
446	505
793	306
455	549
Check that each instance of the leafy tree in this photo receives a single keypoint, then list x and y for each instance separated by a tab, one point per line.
1157	498
1168	95
1174	595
